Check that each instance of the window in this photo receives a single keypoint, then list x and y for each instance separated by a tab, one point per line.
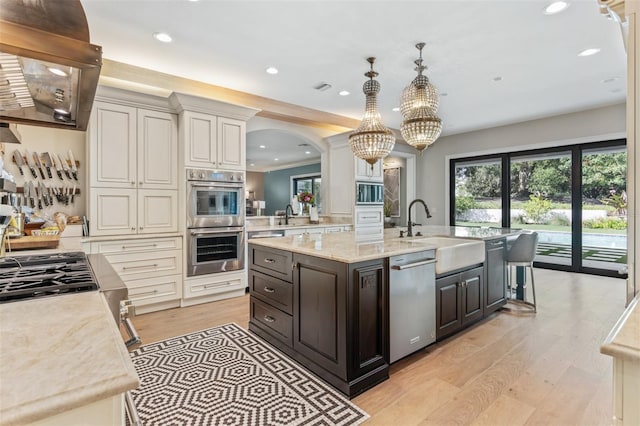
573	196
308	183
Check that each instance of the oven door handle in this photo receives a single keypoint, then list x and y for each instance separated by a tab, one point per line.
228	231
217	185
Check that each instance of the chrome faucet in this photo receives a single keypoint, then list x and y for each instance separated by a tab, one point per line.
426	209
286	213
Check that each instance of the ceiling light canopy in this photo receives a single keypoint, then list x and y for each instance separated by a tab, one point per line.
420	127
371	141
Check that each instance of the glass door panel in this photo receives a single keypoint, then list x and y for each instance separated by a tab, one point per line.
604	208
478	193
540	195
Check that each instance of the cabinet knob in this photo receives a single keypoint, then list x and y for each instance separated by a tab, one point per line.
133	228
133	182
140	183
141	228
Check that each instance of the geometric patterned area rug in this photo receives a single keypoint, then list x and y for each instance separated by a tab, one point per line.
226	376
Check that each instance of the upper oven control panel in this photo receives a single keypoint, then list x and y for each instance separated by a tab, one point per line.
214	175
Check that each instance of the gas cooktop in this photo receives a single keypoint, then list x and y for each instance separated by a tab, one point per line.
27	277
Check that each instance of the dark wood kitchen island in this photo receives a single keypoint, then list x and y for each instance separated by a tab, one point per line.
323	299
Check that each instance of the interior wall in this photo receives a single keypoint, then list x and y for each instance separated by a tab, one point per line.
567	129
277	186
59	141
255	183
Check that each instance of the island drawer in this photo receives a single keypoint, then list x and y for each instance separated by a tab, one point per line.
273	262
272	320
272	290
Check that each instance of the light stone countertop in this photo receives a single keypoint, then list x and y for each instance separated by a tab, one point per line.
624	339
58	353
344	247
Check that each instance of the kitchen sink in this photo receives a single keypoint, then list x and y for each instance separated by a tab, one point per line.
452	253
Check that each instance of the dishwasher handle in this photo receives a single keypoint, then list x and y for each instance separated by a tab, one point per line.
413	265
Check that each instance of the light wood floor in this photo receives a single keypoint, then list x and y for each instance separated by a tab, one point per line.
513	368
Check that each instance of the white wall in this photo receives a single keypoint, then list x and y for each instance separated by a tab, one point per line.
581	127
44	139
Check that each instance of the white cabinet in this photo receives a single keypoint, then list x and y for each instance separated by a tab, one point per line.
369	222
132	148
151	268
130	211
366	172
133	154
213	287
213	142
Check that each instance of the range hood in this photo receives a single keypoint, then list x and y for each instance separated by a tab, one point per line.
48	69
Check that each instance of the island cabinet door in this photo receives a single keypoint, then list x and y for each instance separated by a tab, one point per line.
319	306
472	283
495	275
448	305
368	318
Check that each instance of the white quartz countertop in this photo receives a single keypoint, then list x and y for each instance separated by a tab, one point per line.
624	339
58	353
344	246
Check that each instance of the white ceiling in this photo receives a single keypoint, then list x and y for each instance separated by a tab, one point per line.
468	44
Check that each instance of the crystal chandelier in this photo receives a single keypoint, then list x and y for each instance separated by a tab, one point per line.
419	104
371	141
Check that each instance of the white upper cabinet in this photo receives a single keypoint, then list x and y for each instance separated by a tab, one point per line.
132	148
364	171
231	144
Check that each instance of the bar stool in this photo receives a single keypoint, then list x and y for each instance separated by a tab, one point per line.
521	253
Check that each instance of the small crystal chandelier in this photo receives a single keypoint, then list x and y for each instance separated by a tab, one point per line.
419	104
371	141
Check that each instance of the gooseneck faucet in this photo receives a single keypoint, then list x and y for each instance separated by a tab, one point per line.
286	213
426	209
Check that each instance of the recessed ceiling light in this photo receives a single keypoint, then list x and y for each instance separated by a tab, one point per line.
252	164
555	7
344	93
272	70
589	52
57	71
276	159
307	152
610	80
262	146
163	37
498	78
395	109
617	90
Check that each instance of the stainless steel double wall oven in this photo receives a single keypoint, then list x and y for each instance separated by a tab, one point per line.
215	221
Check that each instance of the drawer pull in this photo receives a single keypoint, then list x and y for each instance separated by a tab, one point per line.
148	293
212	285
154	265
267	318
369	217
269	290
139	245
267	260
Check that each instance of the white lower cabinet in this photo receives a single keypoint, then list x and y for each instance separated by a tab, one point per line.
369	222
151	268
105	412
212	287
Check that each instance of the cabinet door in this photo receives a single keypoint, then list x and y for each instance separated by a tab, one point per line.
231	144
157	211
472	284
448	309
368	310
495	275
364	171
157	150
113	211
112	146
319	312
199	134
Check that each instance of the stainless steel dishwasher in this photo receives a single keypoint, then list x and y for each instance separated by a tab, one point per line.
412	302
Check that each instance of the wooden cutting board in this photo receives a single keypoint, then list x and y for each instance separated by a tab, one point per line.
31	242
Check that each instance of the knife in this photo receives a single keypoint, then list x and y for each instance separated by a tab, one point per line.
32	194
47	163
50	195
65	166
32	166
17	157
43	194
74	169
36	160
57	165
73	193
26	195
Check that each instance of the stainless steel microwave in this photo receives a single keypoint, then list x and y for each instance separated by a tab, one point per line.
370	193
